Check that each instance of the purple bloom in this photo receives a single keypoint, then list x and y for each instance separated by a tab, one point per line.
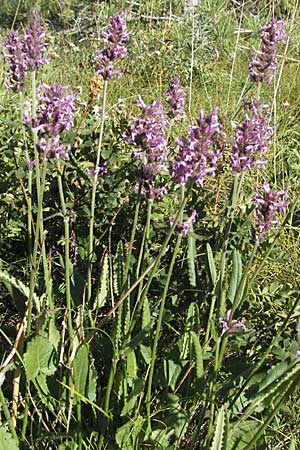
252	136
175	97
263	63
267	204
198	155
116	35
93	173
229	325
54	115
34	42
15	56
147	133
186	225
297	354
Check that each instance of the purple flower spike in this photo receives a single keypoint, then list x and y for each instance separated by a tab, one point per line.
267	204
149	138
34	42
199	154
175	97
297	354
228	326
252	137
263	63
15	56
116	35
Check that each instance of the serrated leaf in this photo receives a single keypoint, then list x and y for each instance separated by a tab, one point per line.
191	258
12	284
81	368
146	317
103	285
198	355
131	364
118	268
219	434
39	358
7	442
211	265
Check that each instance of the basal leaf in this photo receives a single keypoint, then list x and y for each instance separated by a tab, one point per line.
7	442
81	368
39	357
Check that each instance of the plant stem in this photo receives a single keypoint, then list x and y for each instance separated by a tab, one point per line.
8	416
67	253
93	201
158	326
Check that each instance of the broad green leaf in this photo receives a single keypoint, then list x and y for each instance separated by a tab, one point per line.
218	439
138	387
211	265
191	259
54	335
81	368
39	357
7	442
92	381
127	435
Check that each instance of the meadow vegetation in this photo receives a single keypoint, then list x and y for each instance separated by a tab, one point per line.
149	225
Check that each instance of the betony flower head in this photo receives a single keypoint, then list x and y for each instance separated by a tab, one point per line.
116	35
186	225
229	325
14	53
263	63
175	97
198	154
148	135
252	137
267	206
34	42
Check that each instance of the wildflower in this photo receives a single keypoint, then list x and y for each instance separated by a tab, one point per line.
93	173
186	225
267	204
229	325
252	136
175	97
54	115
263	63
148	134
15	56
116	35
297	354
197	158
34	42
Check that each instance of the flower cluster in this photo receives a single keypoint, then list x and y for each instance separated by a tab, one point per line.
186	225
148	134
15	56
229	325
54	116
23	54
34	36
116	35
252	137
263	63
267	204
199	154
175	97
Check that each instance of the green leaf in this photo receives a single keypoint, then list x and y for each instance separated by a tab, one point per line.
138	387
146	318
191	258
219	434
211	265
39	357
7	442
131	364
81	368
118	268
236	274
198	355
103	285
54	335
